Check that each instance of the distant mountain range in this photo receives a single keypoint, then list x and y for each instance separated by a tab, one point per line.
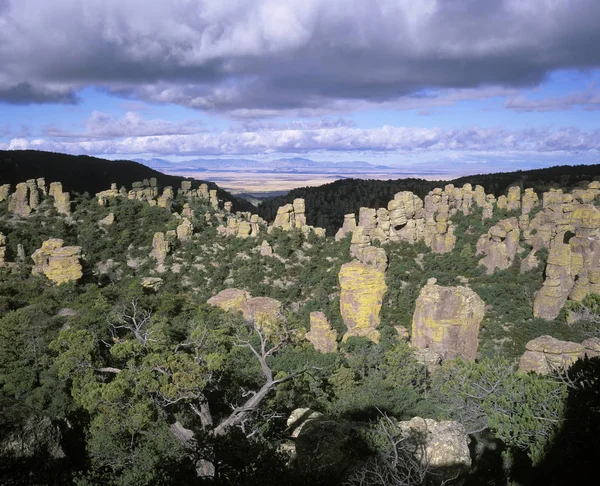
278	165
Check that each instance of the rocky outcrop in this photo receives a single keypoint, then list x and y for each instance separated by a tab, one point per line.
166	198
19	201
160	248
185	230
242	225
59	263
529	201
229	299
362	290
292	216
446	320
321	335
152	283
529	262
591	347
442	446
347	228
499	245
4	192
104	196
107	220
512	201
546	354
266	249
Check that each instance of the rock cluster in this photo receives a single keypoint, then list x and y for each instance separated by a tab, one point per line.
570	227
62	200
446	320
185	230
59	263
409	218
321	335
292	216
545	354
362	290
19	201
242	224
442	446
499	245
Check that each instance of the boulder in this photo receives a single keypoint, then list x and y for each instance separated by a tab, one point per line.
4	192
347	228
229	299
321	335
591	347
266	249
264	312
446	320
546	354
59	263
107	220
362	290
152	283
529	262
443	446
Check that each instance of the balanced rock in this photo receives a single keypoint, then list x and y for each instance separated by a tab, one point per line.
59	263
362	290
447	320
321	335
546	354
442	446
499	245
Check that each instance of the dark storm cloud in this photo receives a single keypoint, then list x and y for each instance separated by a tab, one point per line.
261	57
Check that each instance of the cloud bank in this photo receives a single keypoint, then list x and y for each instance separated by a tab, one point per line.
252	58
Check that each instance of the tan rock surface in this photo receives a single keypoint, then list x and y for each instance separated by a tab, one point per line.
229	299
446	320
546	354
321	335
59	263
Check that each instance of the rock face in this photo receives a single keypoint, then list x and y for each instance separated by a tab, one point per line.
160	248
59	263
62	200
447	319
499	245
347	228
444	445
362	290
591	347
546	354
152	283
321	335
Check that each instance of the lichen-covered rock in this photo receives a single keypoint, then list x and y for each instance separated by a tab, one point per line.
264	312
229	299
152	283
213	199
529	201
546	354
321	335
347	228
185	229
19	201
529	262
62	202
499	245
591	347
160	248
166	198
444	445
550	299
59	263
370	255
447	320
362	290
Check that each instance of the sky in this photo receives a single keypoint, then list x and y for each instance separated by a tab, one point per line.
469	85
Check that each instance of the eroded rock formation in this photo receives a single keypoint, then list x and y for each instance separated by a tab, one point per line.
160	248
321	335
546	354
292	216
59	263
2	249
447	319
362	290
499	245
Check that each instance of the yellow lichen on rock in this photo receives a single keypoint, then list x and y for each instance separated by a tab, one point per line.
59	263
321	335
362	290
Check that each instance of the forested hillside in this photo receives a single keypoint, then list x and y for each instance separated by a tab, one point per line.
327	204
82	173
151	336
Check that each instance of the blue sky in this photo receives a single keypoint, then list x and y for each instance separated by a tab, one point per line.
465	85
